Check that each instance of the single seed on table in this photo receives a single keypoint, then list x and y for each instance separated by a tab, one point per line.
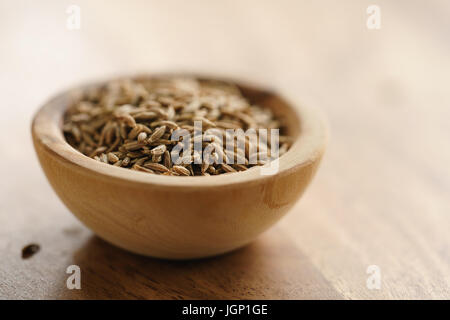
30	250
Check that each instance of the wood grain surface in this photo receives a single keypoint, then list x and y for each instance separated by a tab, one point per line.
381	196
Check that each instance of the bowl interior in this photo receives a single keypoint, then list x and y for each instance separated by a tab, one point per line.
304	125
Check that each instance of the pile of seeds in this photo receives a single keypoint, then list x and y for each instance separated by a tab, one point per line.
129	123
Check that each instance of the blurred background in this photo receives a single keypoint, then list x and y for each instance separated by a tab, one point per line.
380	198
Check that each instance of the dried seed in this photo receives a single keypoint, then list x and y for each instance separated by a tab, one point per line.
167	159
97	151
88	139
114	145
76	133
126	161
143	169
205	121
204	166
239	167
134	132
159	150
156	158
212	170
112	158
181	170
141	161
127	119
141	137
104	158
157	134
134	145
134	154
147	115
227	168
167	123
80	117
156	166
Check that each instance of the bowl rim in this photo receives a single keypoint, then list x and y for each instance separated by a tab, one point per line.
307	148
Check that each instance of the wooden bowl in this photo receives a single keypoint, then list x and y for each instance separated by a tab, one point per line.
179	217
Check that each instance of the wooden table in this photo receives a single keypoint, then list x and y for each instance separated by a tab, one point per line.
381	197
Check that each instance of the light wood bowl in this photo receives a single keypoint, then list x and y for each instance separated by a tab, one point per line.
179	217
